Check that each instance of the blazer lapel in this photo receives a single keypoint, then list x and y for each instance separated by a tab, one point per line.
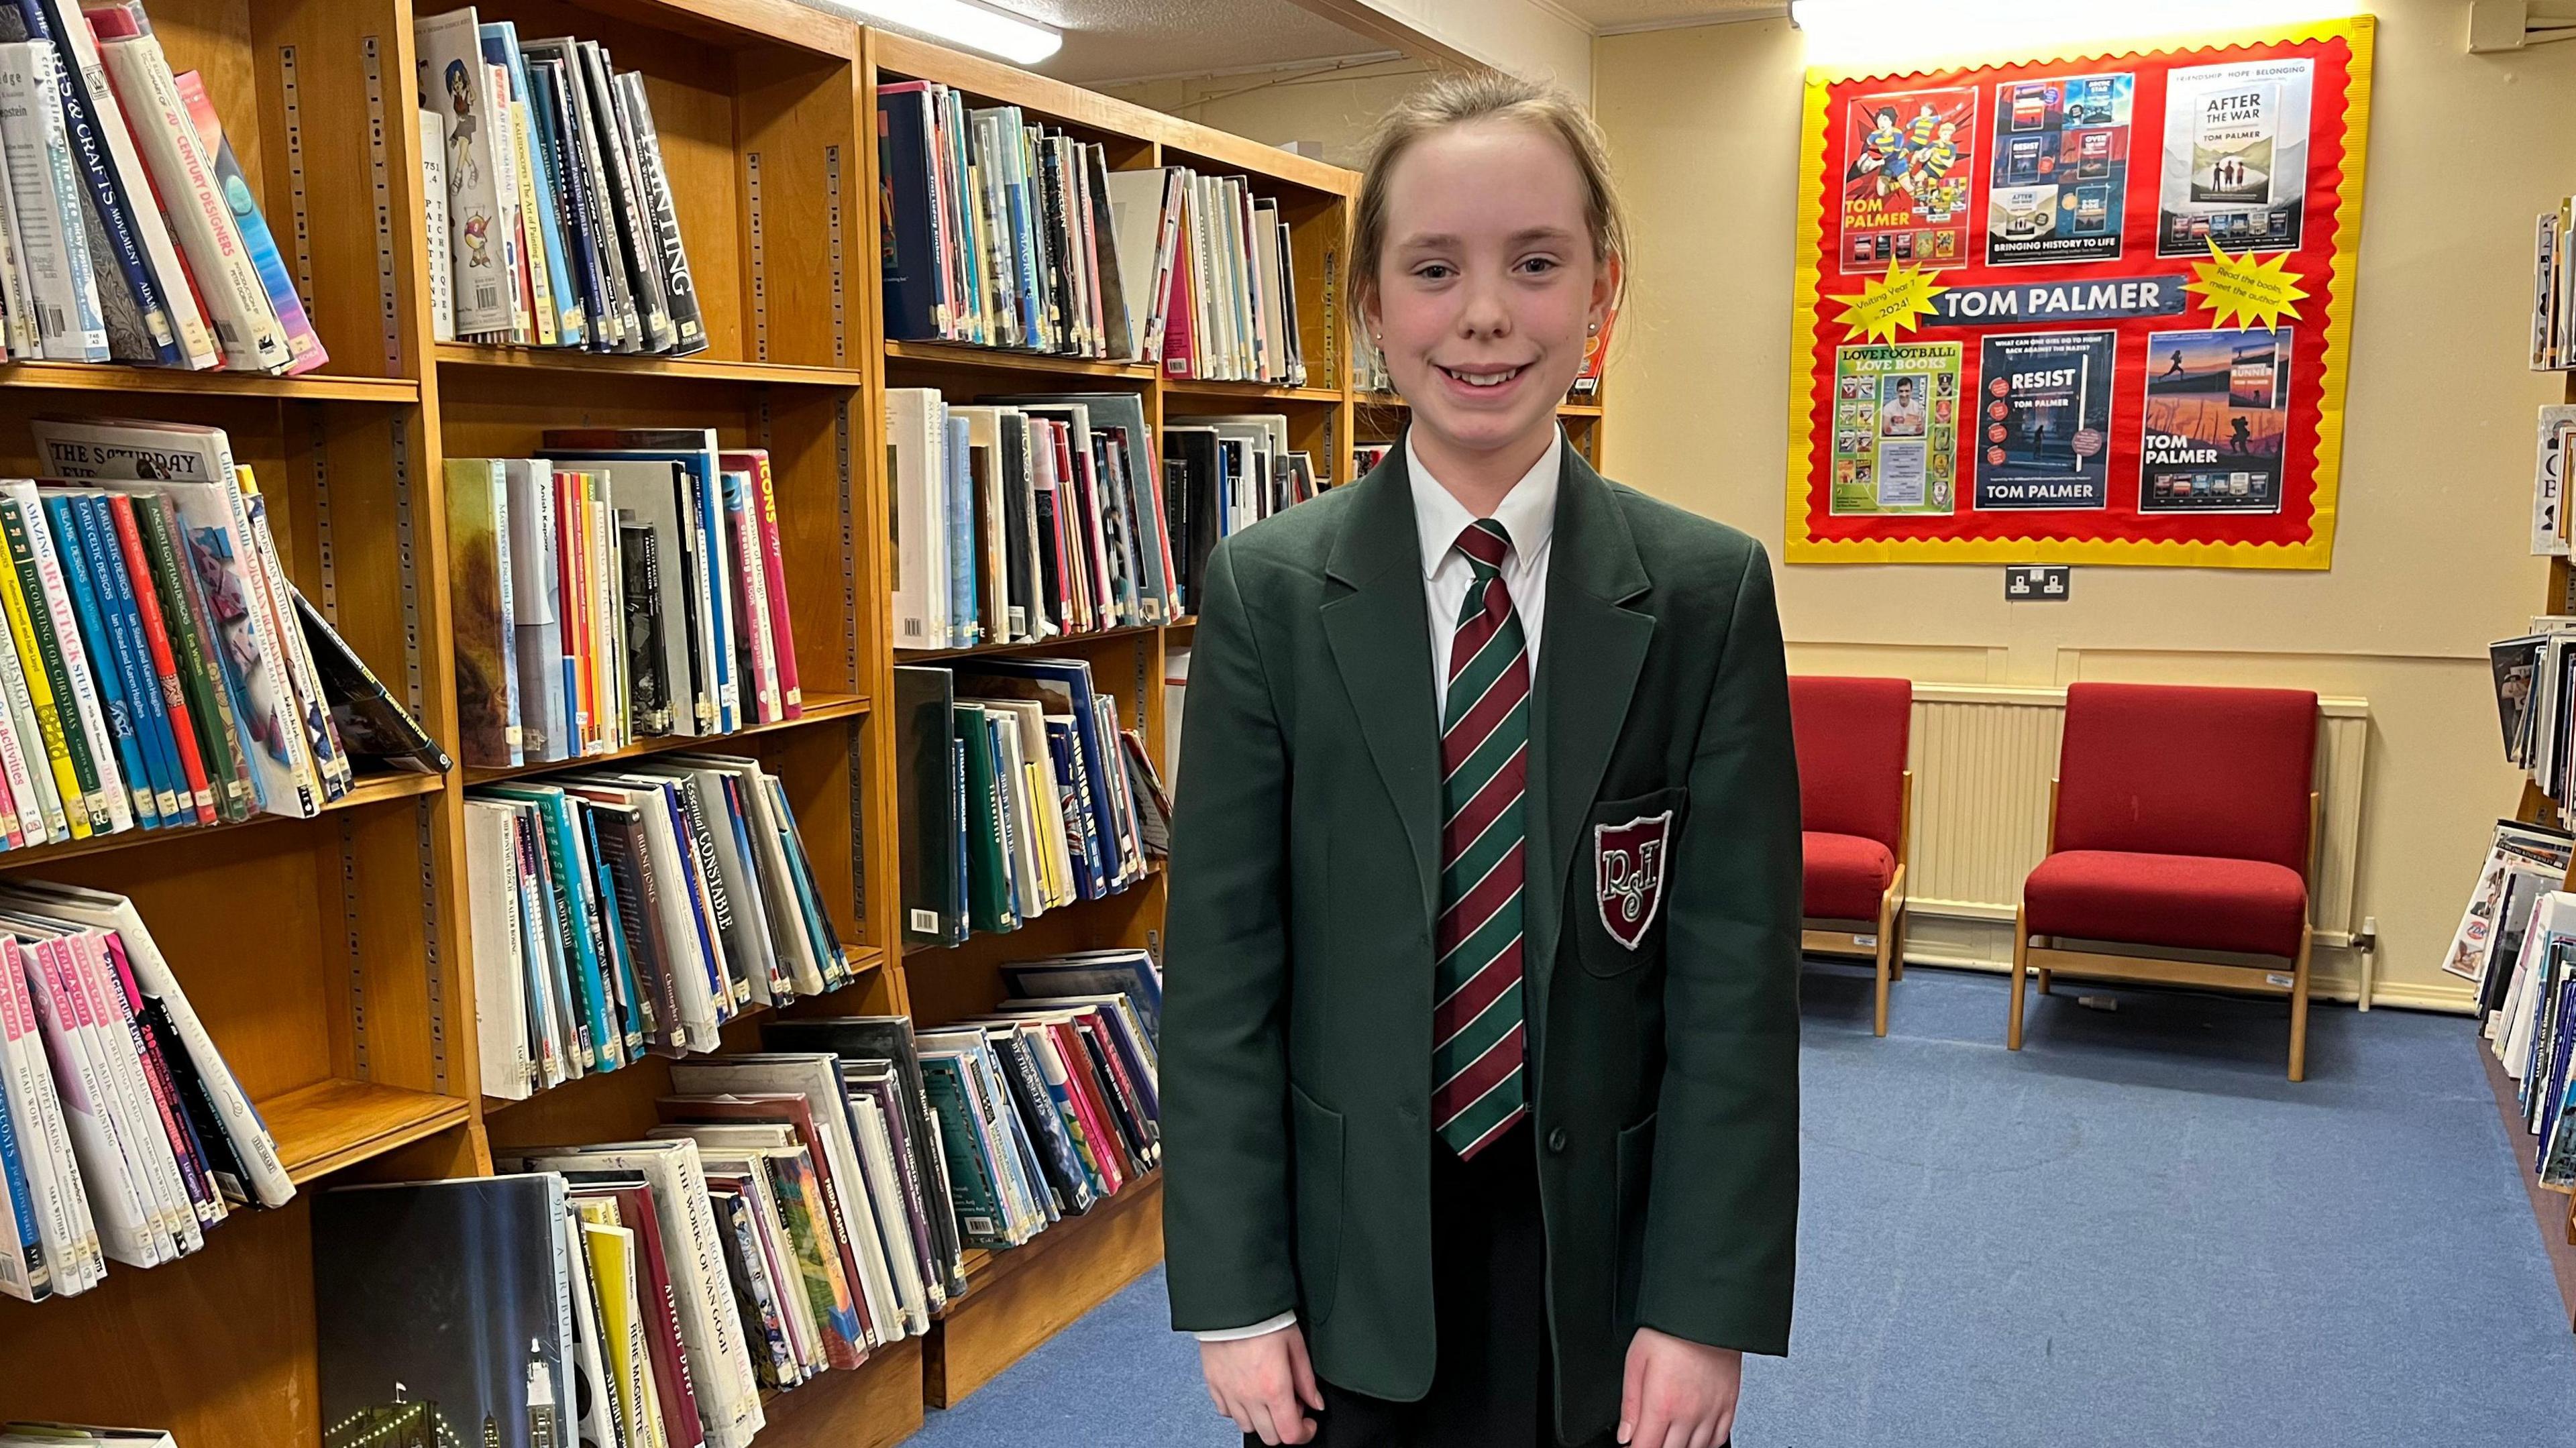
1589	658
1379	629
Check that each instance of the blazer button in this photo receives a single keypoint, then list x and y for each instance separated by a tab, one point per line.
1556	1140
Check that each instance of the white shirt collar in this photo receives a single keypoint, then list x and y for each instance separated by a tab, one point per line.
1527	512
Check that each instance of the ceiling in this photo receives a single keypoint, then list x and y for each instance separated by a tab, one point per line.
1640	14
1113	40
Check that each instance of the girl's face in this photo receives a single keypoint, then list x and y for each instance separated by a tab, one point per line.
1488	286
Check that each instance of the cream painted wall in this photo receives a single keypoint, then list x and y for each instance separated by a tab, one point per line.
2430	557
1337	110
2430	561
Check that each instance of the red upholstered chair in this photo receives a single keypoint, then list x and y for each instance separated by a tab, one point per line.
1856	796
2181	826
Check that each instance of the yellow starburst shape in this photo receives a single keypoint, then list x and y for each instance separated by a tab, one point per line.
1894	303
2245	291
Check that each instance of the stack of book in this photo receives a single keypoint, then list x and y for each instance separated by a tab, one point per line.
797	1209
1018	793
1365	457
122	1132
2535	694
157	669
552	222
637	909
628	584
2532	1027
1007	234
128	231
1027	518
2553	290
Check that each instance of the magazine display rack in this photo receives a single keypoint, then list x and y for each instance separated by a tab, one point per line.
328	955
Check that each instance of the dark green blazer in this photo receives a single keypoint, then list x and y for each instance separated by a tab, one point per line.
1296	1046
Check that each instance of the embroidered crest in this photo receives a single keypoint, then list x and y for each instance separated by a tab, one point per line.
1628	874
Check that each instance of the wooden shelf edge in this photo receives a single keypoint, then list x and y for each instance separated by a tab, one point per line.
874	1405
1027	646
1153	871
1000	359
574	359
375	790
1257	391
825	709
114	377
338	1123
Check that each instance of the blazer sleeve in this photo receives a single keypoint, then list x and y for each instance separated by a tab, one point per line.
1224	1047
1722	1215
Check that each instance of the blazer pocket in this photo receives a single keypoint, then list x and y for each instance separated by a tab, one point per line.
1318	1135
1636	1184
1629	844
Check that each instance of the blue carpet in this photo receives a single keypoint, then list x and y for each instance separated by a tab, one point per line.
2134	1231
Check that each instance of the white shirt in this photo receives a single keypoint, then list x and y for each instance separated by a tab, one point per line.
1528	514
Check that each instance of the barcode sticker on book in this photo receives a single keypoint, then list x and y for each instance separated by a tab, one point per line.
926	921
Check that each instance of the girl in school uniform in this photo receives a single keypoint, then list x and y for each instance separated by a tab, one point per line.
1480	1049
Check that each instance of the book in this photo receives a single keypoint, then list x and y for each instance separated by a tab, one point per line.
303	344
480	581
444	1305
373	725
51	241
193	196
450	82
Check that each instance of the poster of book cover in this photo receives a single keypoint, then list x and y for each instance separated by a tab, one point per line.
2217	411
439	1311
2043	425
2136	348
1906	181
2236	158
1896	428
2061	169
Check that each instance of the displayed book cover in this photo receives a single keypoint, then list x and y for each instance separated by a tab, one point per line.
479	588
441	1313
450	81
370	722
302	342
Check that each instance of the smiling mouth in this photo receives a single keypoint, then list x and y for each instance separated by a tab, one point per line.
1484	376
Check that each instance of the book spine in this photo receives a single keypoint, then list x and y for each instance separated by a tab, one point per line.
108	191
245	323
231	788
442	257
510	214
87	622
113	565
662	224
84	704
773	569
48	692
18	340
260	617
54	241
537	245
302	342
323	755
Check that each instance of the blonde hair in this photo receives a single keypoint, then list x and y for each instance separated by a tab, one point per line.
1460	98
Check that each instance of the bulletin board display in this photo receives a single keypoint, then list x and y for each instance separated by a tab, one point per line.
2088	308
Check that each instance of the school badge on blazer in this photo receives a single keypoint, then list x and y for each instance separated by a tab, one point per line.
1628	874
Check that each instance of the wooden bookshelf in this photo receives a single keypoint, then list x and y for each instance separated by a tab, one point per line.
327	955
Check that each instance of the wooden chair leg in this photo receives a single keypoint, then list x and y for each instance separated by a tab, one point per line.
1896	952
2043	981
2299	1008
1878	1023
2021	962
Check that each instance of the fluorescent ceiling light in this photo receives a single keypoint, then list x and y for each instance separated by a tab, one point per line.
961	22
1881	31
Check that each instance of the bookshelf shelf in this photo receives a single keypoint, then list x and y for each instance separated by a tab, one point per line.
824	709
1057	644
994	359
1019	1298
379	789
338	1123
1252	391
166	381
699	368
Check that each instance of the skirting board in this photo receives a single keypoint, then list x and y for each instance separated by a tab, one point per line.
1966	941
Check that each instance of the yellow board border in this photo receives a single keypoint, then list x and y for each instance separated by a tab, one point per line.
2358	32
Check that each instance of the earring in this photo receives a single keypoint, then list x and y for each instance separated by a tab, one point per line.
1594	327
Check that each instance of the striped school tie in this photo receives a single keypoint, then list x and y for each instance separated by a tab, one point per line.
1476	1025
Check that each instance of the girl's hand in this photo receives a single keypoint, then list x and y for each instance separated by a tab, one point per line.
1260	1382
1678	1394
